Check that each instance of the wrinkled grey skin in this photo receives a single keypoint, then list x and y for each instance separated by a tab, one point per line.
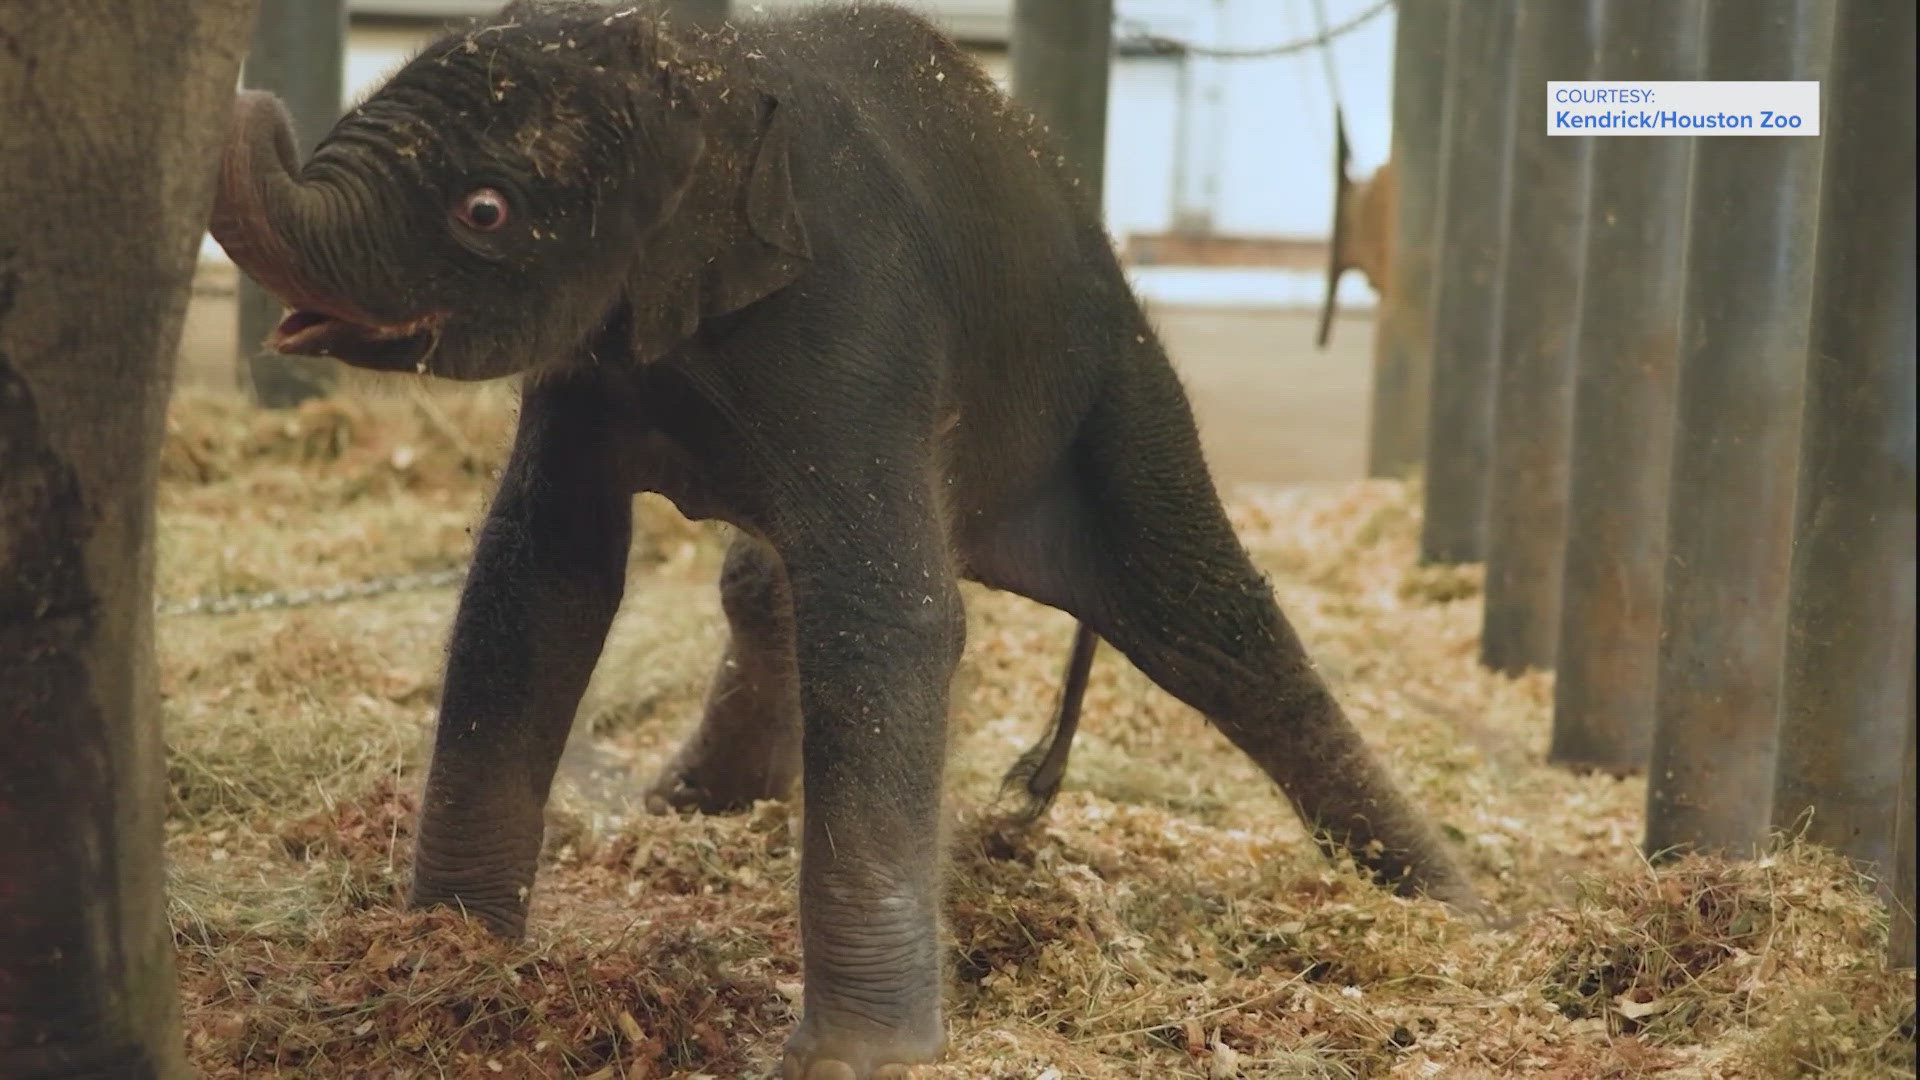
816	278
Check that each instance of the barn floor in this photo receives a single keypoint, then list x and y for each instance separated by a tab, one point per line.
1168	919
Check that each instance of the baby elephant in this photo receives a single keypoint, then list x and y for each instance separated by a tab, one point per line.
812	275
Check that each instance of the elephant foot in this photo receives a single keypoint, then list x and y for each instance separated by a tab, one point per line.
504	916
824	1050
710	775
1464	902
498	900
677	791
476	856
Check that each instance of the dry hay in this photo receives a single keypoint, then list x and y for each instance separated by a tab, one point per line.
1167	919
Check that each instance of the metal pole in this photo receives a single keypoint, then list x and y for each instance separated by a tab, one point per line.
1626	364
1850	613
1402	352
1533	395
1061	50
1466	290
298	52
1743	351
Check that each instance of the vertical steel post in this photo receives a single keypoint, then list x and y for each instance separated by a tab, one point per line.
298	52
1403	343
1060	56
1466	289
1743	352
1850	607
1625	367
1533	396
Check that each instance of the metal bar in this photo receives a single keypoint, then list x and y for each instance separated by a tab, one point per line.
1850	606
1397	431
1466	296
1625	368
1060	60
1743	352
1533	390
298	52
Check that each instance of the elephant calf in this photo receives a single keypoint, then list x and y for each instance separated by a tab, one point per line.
812	275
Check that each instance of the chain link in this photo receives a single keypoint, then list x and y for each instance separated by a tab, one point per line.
1166	46
281	599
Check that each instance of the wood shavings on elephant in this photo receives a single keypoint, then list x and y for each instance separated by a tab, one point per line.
1167	918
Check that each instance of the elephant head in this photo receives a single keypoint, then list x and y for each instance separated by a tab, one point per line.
521	193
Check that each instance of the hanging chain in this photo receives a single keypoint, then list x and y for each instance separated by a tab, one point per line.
280	599
1166	46
1326	53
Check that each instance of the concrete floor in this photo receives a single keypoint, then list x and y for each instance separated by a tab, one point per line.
1271	408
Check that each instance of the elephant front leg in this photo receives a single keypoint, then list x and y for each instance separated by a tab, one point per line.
546	581
878	635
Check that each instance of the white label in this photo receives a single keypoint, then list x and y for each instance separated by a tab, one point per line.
1683	108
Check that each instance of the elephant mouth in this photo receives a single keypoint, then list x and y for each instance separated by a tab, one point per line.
311	331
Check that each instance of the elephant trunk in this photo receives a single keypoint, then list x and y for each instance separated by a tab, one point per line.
263	214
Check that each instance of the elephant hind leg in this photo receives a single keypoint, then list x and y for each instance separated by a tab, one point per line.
747	745
1135	543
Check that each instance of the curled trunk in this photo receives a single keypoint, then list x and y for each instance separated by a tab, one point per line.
262	212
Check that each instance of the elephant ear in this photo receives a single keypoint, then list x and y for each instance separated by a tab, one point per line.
775	247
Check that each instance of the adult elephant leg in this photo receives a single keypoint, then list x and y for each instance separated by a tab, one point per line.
747	745
879	629
547	577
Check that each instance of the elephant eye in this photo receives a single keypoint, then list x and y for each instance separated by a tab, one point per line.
483	210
